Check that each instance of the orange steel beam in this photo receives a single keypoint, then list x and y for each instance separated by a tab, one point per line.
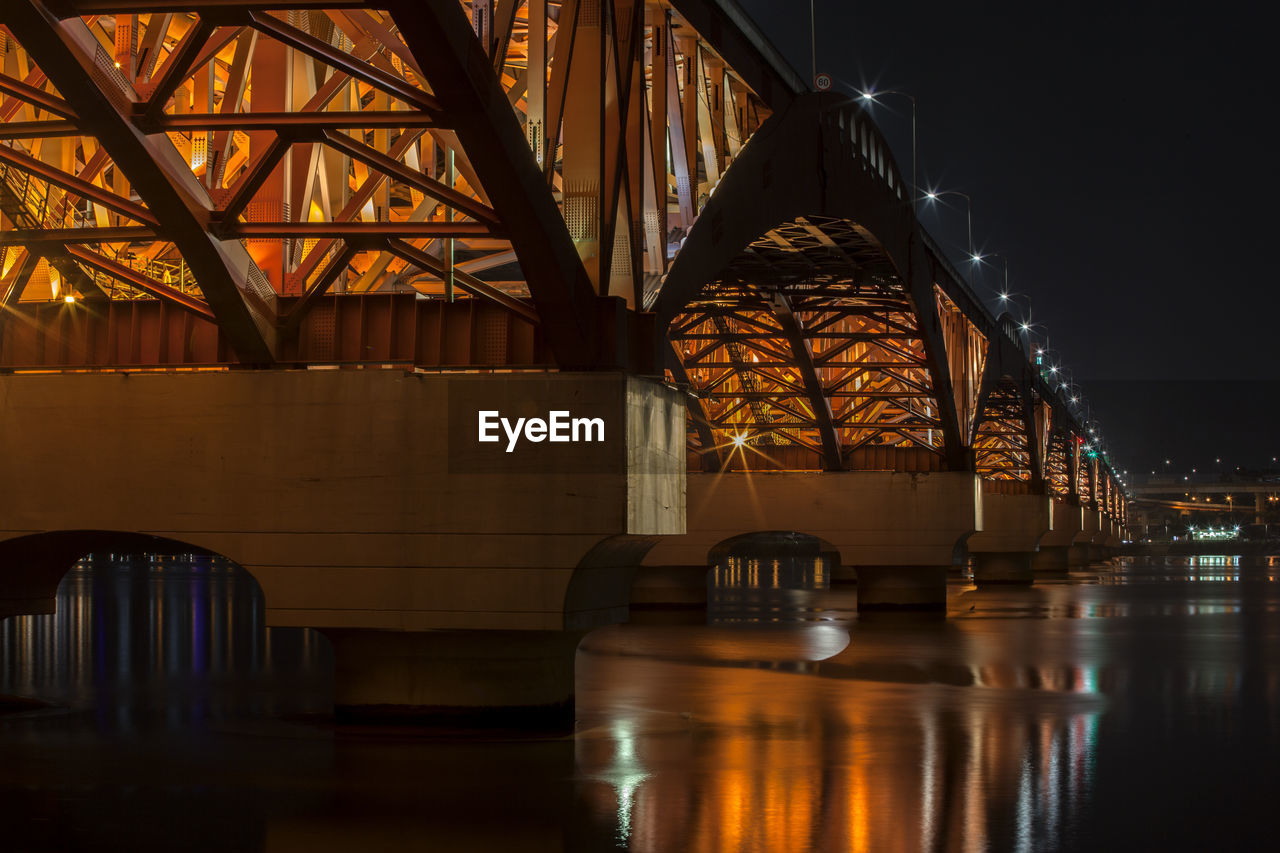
75	185
446	48
337	264
357	230
352	208
327	53
38	129
140	281
64	51
253	178
802	354
61	236
396	169
467	282
182	60
317	121
38	97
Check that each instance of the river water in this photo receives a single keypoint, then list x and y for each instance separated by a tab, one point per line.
1130	708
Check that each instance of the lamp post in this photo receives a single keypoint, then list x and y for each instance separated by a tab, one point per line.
934	195
1025	327
1004	292
870	97
813	41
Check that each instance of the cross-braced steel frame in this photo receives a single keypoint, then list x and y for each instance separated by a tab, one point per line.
500	184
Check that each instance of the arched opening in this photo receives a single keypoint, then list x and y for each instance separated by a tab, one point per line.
131	632
770	576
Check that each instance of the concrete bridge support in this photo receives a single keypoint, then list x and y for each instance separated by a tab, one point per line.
451	576
1054	558
1012	527
1088	545
899	532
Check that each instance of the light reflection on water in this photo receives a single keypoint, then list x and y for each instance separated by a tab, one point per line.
1114	709
168	641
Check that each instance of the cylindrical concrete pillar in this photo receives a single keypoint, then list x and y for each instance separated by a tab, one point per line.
1078	555
902	587
518	679
1002	567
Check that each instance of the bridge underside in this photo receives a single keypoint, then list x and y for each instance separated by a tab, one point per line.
806	354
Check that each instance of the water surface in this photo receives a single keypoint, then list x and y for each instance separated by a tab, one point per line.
1112	709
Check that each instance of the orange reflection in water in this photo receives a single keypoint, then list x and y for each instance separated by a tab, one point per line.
863	750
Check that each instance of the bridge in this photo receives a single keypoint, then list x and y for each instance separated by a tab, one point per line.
269	266
1167	502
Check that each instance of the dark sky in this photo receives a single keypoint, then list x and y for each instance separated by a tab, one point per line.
1120	154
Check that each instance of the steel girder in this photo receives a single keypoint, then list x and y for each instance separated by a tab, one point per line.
450	54
806	164
1010	431
68	53
769	230
276	106
808	340
534	155
801	351
753	57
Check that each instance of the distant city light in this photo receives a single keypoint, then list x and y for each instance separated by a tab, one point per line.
1214	533
69	298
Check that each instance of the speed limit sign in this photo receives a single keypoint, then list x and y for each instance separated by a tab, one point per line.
822	81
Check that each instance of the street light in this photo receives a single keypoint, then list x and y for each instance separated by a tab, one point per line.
1004	295
934	195
1025	326
870	97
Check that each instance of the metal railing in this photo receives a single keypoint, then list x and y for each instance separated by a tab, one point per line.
35	204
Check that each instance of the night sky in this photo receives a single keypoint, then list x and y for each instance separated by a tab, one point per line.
1117	155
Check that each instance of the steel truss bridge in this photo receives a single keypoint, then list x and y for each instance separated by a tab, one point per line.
504	185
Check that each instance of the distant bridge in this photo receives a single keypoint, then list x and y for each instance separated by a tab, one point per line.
1253	498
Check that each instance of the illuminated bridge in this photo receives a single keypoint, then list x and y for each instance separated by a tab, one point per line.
1166	505
264	263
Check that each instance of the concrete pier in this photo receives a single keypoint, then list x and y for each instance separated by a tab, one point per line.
898	533
1012	527
365	505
